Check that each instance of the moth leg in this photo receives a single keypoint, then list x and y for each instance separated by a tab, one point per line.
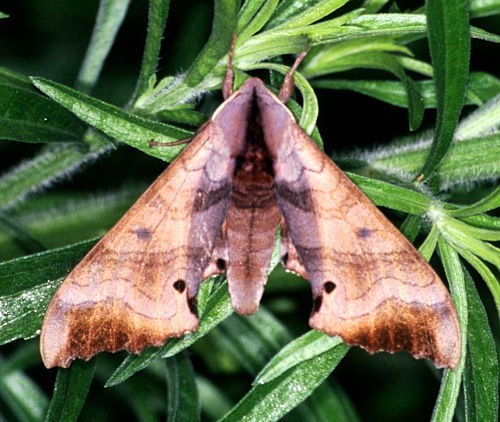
169	144
289	256
288	83
227	83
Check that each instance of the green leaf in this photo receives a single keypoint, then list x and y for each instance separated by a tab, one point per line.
449	44
22	396
182	393
467	160
157	18
373	6
132	364
450	384
27	116
465	237
287	9
309	15
70	391
25	292
487	203
485	273
483	220
481	375
109	19
214	401
14	79
51	163
23	239
270	401
115	122
22	313
247	12
411	227
481	8
482	121
427	248
258	21
329	403
303	348
484	85
217	46
24	273
252	340
363	53
391	196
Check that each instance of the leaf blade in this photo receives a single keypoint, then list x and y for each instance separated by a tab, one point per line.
449	45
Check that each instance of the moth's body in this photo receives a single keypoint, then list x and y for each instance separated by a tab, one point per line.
216	209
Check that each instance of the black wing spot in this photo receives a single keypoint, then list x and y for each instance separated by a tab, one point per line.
329	286
193	305
143	233
221	264
284	259
180	285
317	301
364	232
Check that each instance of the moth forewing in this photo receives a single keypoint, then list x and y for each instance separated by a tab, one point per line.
216	209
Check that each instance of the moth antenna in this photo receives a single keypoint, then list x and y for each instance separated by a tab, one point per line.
227	83
288	83
168	144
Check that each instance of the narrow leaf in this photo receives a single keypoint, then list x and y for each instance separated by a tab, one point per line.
247	12
481	8
27	116
449	45
303	348
115	122
450	384
25	292
391	196
311	14
483	85
411	227
258	21
157	18
214	401
217	46
270	401
70	391
50	164
481	379
109	19
427	248
485	273
26	272
182	393
489	202
22	396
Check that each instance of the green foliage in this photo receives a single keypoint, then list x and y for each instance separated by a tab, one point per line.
376	51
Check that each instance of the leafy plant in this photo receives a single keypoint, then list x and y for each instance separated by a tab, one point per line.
443	181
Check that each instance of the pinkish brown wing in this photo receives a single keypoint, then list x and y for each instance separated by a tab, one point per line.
370	285
138	285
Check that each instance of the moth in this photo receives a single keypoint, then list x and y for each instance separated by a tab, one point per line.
216	210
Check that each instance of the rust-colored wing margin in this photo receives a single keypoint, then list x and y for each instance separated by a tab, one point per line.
370	285
138	285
